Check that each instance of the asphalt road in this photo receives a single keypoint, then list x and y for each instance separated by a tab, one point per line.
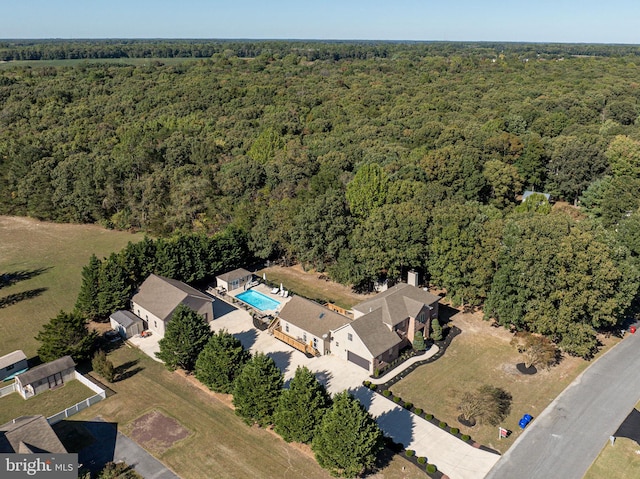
569	434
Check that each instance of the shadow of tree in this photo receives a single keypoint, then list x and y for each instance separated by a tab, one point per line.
324	378
13	277
281	358
247	338
364	395
126	370
17	297
398	424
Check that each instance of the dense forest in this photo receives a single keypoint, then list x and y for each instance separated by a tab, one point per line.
360	159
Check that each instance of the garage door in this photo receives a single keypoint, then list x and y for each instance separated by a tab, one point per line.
359	360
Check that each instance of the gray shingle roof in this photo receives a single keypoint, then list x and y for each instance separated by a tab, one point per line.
398	303
311	316
376	336
161	296
45	370
125	318
12	358
235	274
29	434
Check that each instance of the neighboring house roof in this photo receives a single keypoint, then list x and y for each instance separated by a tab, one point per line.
161	296
398	303
12	358
528	193
311	316
29	434
235	274
125	318
374	334
45	370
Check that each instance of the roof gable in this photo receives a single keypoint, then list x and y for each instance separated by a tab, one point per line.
311	316
374	334
398	303
161	296
45	370
29	434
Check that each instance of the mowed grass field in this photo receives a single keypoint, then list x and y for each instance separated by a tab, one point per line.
219	444
622	460
481	354
51	257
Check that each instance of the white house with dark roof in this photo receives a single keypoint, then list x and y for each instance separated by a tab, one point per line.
384	324
158	297
235	279
310	323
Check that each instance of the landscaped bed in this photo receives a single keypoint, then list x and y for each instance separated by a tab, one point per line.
482	355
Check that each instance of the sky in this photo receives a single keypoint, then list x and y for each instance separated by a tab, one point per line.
566	21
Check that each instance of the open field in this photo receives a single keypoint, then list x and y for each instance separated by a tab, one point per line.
482	355
218	443
309	285
49	257
622	460
93	61
47	403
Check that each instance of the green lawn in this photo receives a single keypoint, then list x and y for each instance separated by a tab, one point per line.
622	460
482	355
53	256
47	403
220	444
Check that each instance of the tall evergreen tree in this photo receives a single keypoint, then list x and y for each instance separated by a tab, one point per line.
87	301
257	389
66	334
186	335
115	288
348	439
220	362
301	407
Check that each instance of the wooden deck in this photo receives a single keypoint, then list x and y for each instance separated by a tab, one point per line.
294	343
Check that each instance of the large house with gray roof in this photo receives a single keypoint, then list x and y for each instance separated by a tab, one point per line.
29	435
158	297
382	326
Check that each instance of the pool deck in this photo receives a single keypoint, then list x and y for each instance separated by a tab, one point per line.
264	289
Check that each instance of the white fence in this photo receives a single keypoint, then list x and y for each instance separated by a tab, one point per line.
8	389
76	408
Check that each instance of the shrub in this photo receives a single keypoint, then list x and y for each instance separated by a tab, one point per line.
465	437
428	416
376	373
408	405
373	387
386	393
442	424
454	430
418	411
409	452
367	383
396	399
103	366
431	468
422	460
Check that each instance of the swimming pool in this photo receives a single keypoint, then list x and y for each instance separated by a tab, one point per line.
258	300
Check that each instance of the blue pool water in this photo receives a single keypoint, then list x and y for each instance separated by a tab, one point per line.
258	300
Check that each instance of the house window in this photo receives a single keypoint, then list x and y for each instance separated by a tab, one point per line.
337	344
421	317
155	324
304	337
350	336
286	327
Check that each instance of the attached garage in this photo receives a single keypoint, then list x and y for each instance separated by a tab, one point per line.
359	360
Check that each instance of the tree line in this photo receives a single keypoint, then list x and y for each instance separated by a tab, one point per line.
363	167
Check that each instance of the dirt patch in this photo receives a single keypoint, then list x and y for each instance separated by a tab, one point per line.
156	432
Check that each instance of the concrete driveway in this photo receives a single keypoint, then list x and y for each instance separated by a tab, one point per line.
454	457
149	345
